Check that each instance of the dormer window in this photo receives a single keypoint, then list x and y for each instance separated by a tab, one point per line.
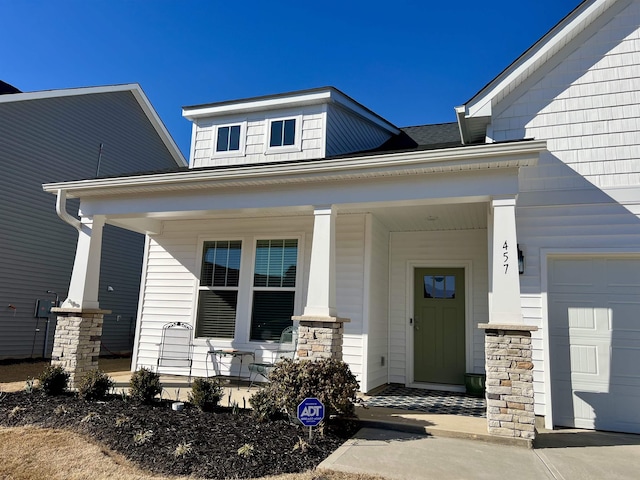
283	132
229	139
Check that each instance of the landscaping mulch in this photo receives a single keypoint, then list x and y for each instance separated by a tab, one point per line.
218	445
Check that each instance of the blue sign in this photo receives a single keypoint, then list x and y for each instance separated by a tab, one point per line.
310	412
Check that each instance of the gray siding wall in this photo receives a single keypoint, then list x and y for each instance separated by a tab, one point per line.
347	132
52	140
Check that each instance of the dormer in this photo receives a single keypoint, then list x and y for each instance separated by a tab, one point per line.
302	125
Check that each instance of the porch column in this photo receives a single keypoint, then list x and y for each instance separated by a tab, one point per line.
85	277
321	330
504	281
76	344
508	362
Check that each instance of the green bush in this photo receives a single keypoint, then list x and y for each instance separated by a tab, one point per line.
54	380
290	382
95	385
144	385
205	393
263	405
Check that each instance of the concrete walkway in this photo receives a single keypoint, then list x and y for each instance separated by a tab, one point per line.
576	455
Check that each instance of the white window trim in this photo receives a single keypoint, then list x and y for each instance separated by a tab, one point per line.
297	301
296	147
245	287
198	288
230	153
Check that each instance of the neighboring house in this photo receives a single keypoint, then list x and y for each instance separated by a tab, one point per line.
308	204
53	136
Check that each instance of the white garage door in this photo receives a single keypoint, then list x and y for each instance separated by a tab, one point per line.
594	327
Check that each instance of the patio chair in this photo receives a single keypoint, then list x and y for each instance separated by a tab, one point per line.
286	349
175	350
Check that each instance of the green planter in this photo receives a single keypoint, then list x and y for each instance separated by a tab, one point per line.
474	383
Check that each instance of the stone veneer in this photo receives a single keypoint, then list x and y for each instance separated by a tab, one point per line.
509	384
320	337
76	343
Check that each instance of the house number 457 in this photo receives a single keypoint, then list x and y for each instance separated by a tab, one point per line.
505	257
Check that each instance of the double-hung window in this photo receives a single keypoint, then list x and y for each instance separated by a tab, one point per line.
274	288
218	290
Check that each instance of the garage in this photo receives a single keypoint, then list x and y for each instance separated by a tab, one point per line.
594	337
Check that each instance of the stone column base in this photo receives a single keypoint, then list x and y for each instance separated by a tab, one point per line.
320	337
509	384
76	343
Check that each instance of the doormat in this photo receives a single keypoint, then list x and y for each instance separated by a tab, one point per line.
429	401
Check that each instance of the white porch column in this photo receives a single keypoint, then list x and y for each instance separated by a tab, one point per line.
321	297
85	277
504	281
508	353
321	330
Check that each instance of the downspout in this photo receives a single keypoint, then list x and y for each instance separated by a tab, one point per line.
462	126
61	210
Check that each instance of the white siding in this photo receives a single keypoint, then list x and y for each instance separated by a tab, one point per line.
435	248
588	109
348	133
561	227
377	334
256	138
172	272
350	240
52	140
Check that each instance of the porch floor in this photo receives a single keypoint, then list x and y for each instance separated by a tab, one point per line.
427	401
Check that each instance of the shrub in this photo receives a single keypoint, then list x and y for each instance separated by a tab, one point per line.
205	393
94	385
144	385
54	380
263	405
290	382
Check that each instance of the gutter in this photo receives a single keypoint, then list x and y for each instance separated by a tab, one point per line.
61	210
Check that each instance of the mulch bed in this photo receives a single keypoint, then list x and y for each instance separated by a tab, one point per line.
217	445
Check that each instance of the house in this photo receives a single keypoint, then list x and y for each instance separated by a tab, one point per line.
505	243
56	135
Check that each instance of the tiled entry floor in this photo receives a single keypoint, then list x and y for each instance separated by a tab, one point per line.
428	401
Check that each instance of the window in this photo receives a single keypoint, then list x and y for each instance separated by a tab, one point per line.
218	291
283	133
274	282
228	138
439	286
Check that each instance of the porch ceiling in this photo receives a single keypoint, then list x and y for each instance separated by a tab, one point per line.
461	216
397	218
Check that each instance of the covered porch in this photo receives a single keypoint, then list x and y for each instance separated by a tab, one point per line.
362	234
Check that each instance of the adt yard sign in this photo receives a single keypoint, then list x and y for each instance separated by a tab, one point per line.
310	412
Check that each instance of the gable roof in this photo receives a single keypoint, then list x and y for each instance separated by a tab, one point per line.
133	88
475	114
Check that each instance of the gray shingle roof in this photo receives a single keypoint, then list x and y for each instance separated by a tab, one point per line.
424	137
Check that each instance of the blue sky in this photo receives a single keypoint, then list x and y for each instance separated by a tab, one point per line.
409	61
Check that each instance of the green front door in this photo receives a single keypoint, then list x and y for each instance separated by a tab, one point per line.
439	326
